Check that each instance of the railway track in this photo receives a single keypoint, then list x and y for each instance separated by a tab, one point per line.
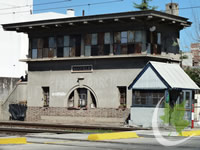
27	127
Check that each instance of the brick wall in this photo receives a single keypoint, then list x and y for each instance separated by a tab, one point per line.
35	113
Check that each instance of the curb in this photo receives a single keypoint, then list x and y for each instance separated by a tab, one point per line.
112	136
191	133
21	140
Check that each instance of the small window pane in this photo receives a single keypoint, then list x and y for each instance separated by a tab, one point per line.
40	43
117	49
107	38
123	49
138	36
101	38
87	50
107	49
39	53
72	52
117	37
60	42
34	43
124	37
34	53
88	39
137	100
66	51
51	52
52	42
130	48
66	40
138	47
60	52
94	39
94	50
45	52
159	38
143	100
130	36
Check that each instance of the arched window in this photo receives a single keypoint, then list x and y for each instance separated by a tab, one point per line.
82	98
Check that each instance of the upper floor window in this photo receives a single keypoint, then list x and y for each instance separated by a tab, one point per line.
61	46
128	42
96	44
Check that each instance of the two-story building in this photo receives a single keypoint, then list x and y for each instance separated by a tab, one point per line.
79	68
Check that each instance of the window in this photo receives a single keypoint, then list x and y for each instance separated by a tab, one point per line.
154	40
45	96
122	96
37	46
82	98
52	47
128	42
60	46
147	97
81	68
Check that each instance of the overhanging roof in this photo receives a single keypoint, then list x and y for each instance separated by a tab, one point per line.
157	75
125	16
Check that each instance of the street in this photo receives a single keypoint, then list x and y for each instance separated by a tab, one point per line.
143	143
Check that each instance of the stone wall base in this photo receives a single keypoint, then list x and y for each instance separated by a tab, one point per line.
89	116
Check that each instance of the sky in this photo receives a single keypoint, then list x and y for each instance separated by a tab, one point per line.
187	36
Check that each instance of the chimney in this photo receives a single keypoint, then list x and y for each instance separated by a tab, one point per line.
70	13
172	8
83	13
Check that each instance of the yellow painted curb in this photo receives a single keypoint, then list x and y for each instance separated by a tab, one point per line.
112	136
21	140
191	133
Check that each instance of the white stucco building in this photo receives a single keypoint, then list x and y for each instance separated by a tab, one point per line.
14	45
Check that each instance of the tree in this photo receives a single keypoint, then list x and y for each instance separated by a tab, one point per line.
194	74
145	5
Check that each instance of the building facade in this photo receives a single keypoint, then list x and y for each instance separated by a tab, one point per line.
195	49
82	66
11	53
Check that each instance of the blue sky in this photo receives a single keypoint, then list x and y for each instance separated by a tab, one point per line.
187	35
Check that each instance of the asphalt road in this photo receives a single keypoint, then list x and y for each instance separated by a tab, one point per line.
145	143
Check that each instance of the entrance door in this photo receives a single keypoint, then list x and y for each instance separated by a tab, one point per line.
82	97
187	96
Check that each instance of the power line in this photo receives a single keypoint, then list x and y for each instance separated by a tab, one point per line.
89	4
72	6
38	4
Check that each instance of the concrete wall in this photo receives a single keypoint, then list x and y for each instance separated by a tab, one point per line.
6	87
142	116
104	84
104	80
18	95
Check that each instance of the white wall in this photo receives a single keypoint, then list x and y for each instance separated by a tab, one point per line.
13	46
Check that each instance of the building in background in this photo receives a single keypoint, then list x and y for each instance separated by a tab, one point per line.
187	59
195	49
14	45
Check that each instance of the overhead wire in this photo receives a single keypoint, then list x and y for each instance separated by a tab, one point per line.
37	4
72	6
